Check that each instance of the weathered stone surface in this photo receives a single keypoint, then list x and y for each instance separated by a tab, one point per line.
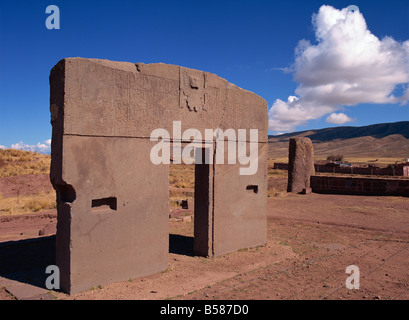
133	103
300	164
112	201
24	291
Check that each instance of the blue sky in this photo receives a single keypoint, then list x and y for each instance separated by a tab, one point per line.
249	43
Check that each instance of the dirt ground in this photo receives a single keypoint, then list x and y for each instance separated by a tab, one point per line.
24	185
306	255
312	239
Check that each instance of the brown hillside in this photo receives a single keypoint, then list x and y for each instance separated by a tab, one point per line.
360	142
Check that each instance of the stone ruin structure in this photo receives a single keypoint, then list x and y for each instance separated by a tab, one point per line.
300	165
112	201
302	177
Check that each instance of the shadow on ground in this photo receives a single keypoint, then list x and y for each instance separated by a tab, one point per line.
26	260
182	245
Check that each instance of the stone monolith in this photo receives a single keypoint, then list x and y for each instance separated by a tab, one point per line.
300	165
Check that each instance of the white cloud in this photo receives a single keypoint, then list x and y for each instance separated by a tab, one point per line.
338	118
44	147
3	147
348	65
286	115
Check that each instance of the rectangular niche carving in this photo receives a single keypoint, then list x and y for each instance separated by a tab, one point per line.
252	189
104	205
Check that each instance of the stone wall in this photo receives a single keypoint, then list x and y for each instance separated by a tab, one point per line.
360	186
400	170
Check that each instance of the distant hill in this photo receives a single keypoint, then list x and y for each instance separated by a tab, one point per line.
384	140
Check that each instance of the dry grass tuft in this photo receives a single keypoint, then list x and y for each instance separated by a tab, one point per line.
16	162
34	205
182	176
27	204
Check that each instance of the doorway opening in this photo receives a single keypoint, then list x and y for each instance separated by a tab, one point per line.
189	208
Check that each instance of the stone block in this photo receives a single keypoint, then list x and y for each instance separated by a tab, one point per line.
300	164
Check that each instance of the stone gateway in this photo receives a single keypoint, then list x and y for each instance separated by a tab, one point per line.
112	201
